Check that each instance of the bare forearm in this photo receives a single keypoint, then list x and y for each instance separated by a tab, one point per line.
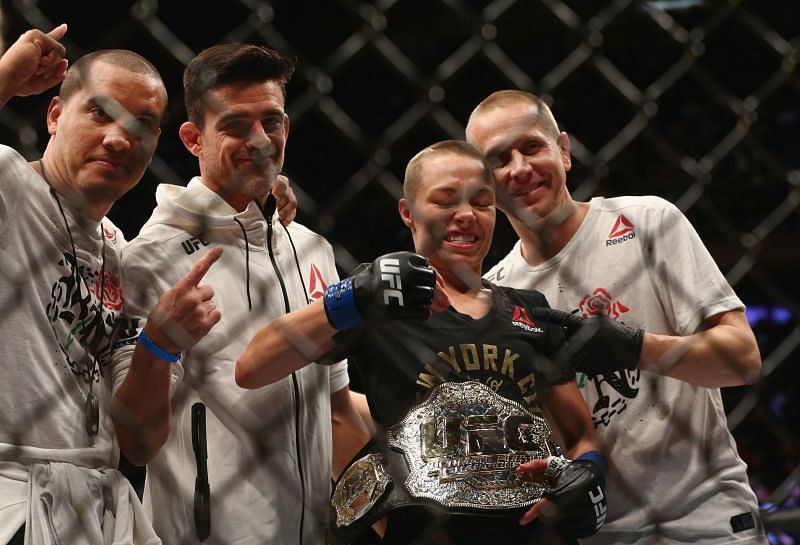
182	315
360	404
567	410
726	354
350	432
142	412
285	345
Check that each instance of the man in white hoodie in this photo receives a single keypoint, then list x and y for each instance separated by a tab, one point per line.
268	450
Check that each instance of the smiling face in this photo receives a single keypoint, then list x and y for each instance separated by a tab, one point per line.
451	212
528	156
104	134
241	142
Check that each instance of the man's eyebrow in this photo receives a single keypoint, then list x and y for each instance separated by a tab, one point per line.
500	148
100	100
149	114
112	107
496	151
232	117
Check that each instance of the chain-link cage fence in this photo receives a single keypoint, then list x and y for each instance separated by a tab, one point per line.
695	101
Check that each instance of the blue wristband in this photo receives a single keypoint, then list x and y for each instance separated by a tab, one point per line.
340	305
156	350
597	457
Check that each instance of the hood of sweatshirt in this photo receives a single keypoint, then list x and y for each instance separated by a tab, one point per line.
197	209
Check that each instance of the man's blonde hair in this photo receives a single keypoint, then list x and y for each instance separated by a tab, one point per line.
499	99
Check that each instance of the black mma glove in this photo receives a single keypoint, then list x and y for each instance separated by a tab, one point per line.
394	286
595	345
579	495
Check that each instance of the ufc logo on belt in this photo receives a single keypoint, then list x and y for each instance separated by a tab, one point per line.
390	272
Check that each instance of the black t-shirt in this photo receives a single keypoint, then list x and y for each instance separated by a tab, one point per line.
400	362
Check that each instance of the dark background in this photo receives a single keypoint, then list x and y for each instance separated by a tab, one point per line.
696	101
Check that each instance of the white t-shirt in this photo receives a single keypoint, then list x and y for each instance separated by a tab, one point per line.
675	474
259	440
50	334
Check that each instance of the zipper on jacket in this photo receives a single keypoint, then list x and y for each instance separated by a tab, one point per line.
295	385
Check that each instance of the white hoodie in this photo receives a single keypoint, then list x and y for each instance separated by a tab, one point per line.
254	436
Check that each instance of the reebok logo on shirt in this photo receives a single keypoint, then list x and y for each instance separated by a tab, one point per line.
521	319
623	230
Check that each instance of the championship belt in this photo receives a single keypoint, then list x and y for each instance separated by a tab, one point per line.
457	452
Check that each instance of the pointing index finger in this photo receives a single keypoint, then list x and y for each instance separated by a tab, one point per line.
50	44
58	32
199	269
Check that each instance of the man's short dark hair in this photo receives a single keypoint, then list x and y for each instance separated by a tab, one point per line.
80	70
227	64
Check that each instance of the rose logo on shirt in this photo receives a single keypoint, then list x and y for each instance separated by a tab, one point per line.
600	303
109	292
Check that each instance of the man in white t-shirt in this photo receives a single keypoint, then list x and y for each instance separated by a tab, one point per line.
675	474
62	326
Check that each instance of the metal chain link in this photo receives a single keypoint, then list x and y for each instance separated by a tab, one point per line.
697	101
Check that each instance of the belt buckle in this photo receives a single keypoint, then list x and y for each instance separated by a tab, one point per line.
463	445
359	488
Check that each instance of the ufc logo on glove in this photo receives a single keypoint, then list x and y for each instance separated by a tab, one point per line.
597	498
365	295
390	272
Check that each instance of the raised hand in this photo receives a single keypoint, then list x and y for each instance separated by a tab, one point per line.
33	64
595	345
186	313
399	285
